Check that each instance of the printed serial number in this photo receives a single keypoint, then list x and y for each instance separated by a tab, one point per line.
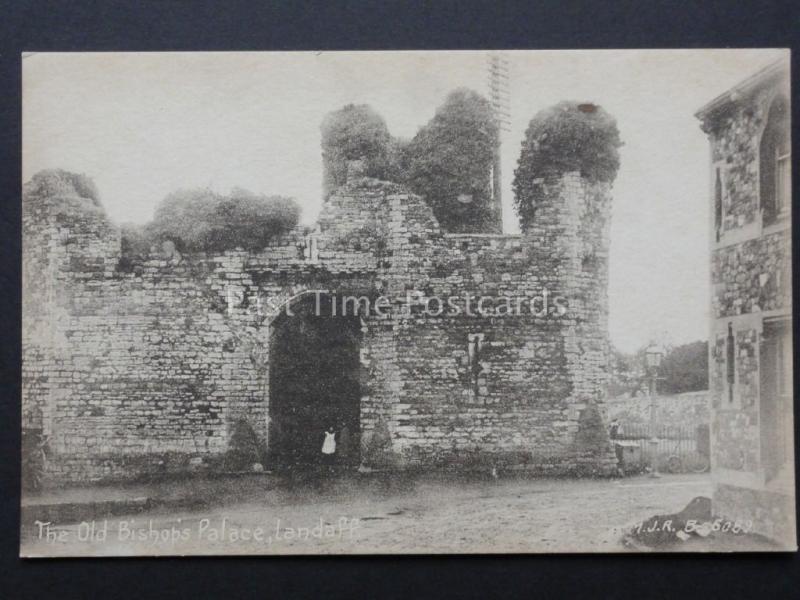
695	526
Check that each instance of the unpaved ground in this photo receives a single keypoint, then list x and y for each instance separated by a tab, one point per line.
357	517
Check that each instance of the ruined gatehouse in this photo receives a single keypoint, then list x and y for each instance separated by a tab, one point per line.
185	360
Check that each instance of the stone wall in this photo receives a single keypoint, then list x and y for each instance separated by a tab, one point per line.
750	286
750	276
735	146
151	368
686	411
753	276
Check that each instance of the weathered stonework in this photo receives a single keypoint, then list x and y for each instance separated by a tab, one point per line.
750	301
153	368
685	411
754	276
738	150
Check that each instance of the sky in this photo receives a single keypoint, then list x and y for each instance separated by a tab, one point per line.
145	124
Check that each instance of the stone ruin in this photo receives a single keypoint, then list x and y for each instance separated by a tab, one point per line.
169	366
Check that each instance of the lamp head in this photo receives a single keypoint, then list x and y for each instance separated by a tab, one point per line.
653	355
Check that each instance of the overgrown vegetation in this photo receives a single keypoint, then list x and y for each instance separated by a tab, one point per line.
203	220
449	163
57	182
355	132
569	136
72	193
684	368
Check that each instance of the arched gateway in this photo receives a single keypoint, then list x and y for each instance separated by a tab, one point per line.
314	383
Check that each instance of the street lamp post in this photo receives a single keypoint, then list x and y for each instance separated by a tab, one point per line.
653	356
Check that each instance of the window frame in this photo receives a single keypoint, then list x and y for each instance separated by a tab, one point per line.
776	133
782	196
719	225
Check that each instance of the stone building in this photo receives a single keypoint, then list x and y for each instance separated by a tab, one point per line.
193	361
750	341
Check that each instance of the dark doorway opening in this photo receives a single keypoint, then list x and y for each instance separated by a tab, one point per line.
314	384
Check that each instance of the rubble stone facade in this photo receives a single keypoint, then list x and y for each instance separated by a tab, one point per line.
750	349
154	367
687	410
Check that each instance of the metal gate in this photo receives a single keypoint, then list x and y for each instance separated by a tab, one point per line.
668	448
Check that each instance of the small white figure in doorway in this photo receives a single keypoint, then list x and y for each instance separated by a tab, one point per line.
329	445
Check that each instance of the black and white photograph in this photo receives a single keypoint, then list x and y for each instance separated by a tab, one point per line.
406	302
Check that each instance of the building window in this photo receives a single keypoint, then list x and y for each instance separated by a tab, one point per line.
730	362
783	178
775	163
776	397
474	347
718	224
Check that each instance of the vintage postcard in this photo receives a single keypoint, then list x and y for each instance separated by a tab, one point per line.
407	302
